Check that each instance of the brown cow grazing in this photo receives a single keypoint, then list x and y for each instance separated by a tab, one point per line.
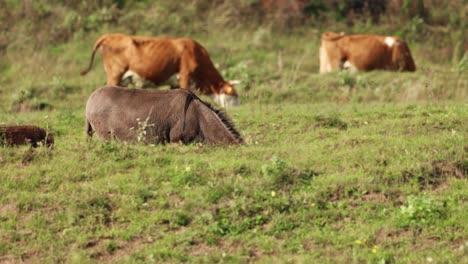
159	60
160	116
364	53
24	135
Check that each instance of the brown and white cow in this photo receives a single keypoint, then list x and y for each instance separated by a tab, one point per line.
364	53
159	60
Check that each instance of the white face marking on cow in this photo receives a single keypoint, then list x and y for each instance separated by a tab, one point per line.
389	41
349	67
225	100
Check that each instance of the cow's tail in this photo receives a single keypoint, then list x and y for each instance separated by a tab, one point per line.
95	48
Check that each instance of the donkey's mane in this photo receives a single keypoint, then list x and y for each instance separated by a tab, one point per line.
224	119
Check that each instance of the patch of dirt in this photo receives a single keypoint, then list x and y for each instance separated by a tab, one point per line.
352	143
175	200
101	251
7	208
337	194
443	168
434	175
373	197
7	259
421	242
203	249
28	157
384	235
330	122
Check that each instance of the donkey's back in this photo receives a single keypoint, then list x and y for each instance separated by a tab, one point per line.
156	116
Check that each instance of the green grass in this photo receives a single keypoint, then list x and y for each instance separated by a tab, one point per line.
341	168
300	188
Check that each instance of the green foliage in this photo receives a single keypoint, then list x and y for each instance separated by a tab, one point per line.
28	99
182	219
275	168
347	79
238	71
462	65
421	211
59	88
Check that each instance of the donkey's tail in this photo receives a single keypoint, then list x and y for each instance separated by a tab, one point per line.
95	48
88	129
190	97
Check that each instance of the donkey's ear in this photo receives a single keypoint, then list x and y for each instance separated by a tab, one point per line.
234	82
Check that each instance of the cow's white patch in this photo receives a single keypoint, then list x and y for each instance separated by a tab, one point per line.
349	66
225	100
390	41
131	77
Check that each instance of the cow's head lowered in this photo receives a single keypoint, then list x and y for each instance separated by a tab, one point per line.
156	60
226	94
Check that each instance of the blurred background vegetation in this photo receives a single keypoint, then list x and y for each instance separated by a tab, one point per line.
38	23
270	45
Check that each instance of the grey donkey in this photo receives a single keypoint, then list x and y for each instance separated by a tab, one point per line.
156	116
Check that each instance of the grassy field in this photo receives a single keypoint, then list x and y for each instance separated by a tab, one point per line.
348	168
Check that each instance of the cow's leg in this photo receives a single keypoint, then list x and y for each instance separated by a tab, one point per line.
186	70
114	69
114	77
184	80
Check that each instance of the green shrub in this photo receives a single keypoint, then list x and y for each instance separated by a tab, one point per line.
421	211
28	99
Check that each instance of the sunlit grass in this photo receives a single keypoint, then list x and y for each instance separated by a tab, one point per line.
350	168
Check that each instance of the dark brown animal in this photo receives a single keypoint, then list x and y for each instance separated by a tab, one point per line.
156	116
364	53
159	60
24	135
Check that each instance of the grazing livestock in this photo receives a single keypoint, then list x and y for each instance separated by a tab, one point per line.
160	59
364	53
24	135
156	116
